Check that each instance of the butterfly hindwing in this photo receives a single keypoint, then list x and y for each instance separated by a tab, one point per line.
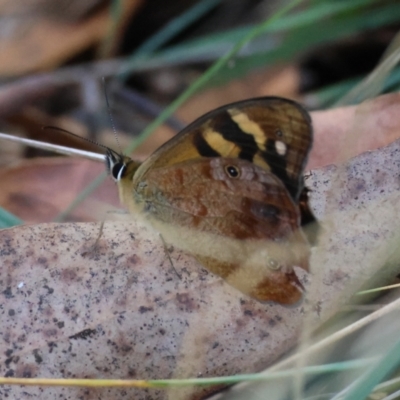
238	211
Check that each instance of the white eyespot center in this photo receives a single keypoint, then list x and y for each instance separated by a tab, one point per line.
280	147
273	264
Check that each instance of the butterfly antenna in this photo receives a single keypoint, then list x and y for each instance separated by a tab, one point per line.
111	116
56	128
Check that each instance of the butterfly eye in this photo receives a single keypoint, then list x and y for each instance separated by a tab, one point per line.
232	171
118	170
273	264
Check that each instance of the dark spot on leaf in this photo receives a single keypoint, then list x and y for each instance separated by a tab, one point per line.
50	333
38	357
240	323
42	260
8	293
124	350
68	275
134	259
49	289
27	373
86	333
185	300
263	334
51	345
131	373
26	370
21	338
143	309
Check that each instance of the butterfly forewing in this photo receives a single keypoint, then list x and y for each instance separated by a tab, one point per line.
270	132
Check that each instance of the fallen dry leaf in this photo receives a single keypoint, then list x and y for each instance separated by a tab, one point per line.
344	132
282	80
39	190
123	312
35	42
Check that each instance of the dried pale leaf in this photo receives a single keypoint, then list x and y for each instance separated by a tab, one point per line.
344	132
123	312
70	10
278	81
39	43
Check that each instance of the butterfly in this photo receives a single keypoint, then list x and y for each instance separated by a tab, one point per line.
229	189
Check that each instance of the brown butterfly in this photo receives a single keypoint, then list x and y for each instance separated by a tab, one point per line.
229	189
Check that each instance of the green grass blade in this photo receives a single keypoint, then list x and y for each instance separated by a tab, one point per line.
375	374
331	94
309	370
210	47
373	84
317	34
7	220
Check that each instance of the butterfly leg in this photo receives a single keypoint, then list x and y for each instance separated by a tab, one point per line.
95	246
168	256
